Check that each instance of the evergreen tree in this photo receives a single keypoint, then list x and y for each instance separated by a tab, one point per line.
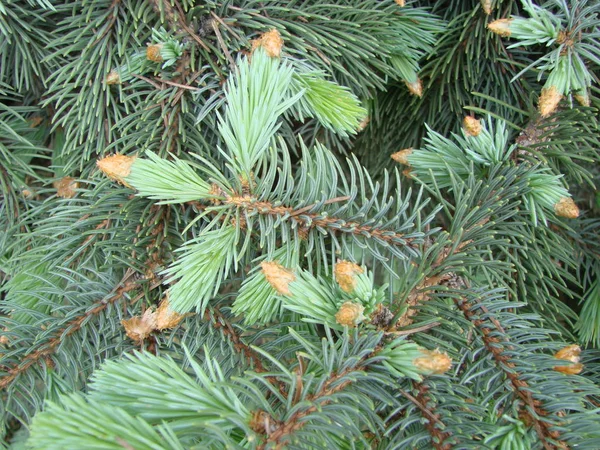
359	224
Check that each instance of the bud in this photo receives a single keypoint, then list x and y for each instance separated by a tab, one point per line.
486	5
27	193
569	353
501	27
165	317
345	275
400	2
153	53
116	167
66	187
363	124
433	362
271	42
278	276
402	156
350	314
566	207
549	101
415	88
139	328
583	98
113	78
407	173
35	121
472	126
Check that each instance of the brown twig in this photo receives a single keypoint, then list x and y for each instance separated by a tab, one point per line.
250	204
497	346
220	322
114	10
423	402
279	437
50	346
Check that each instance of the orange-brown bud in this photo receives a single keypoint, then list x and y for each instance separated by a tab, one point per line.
486	5
583	98
415	88
566	207
278	276
549	100
113	78
401	2
402	156
271	42
472	126
66	187
116	167
501	27
363	124
433	362
569	353
165	317
350	314
153	53
139	328
345	275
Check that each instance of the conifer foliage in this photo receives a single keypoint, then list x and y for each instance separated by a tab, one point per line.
352	224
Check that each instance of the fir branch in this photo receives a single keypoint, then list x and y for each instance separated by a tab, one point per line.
426	406
114	12
497	347
279	437
220	322
47	348
310	220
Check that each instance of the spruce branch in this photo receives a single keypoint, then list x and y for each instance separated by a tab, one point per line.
48	347
251	205
216	318
280	435
498	347
434	425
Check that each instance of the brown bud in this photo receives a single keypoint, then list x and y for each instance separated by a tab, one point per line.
271	42
153	53
407	173
569	353
363	124
501	27
486	5
4	340
139	328
113	77
472	126
401	2
350	314
278	276
583	98
345	275
116	167
433	362
165	317
549	100
402	156
566	207
34	121
415	88
66	187
571	369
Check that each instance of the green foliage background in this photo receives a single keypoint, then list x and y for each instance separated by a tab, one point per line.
242	159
